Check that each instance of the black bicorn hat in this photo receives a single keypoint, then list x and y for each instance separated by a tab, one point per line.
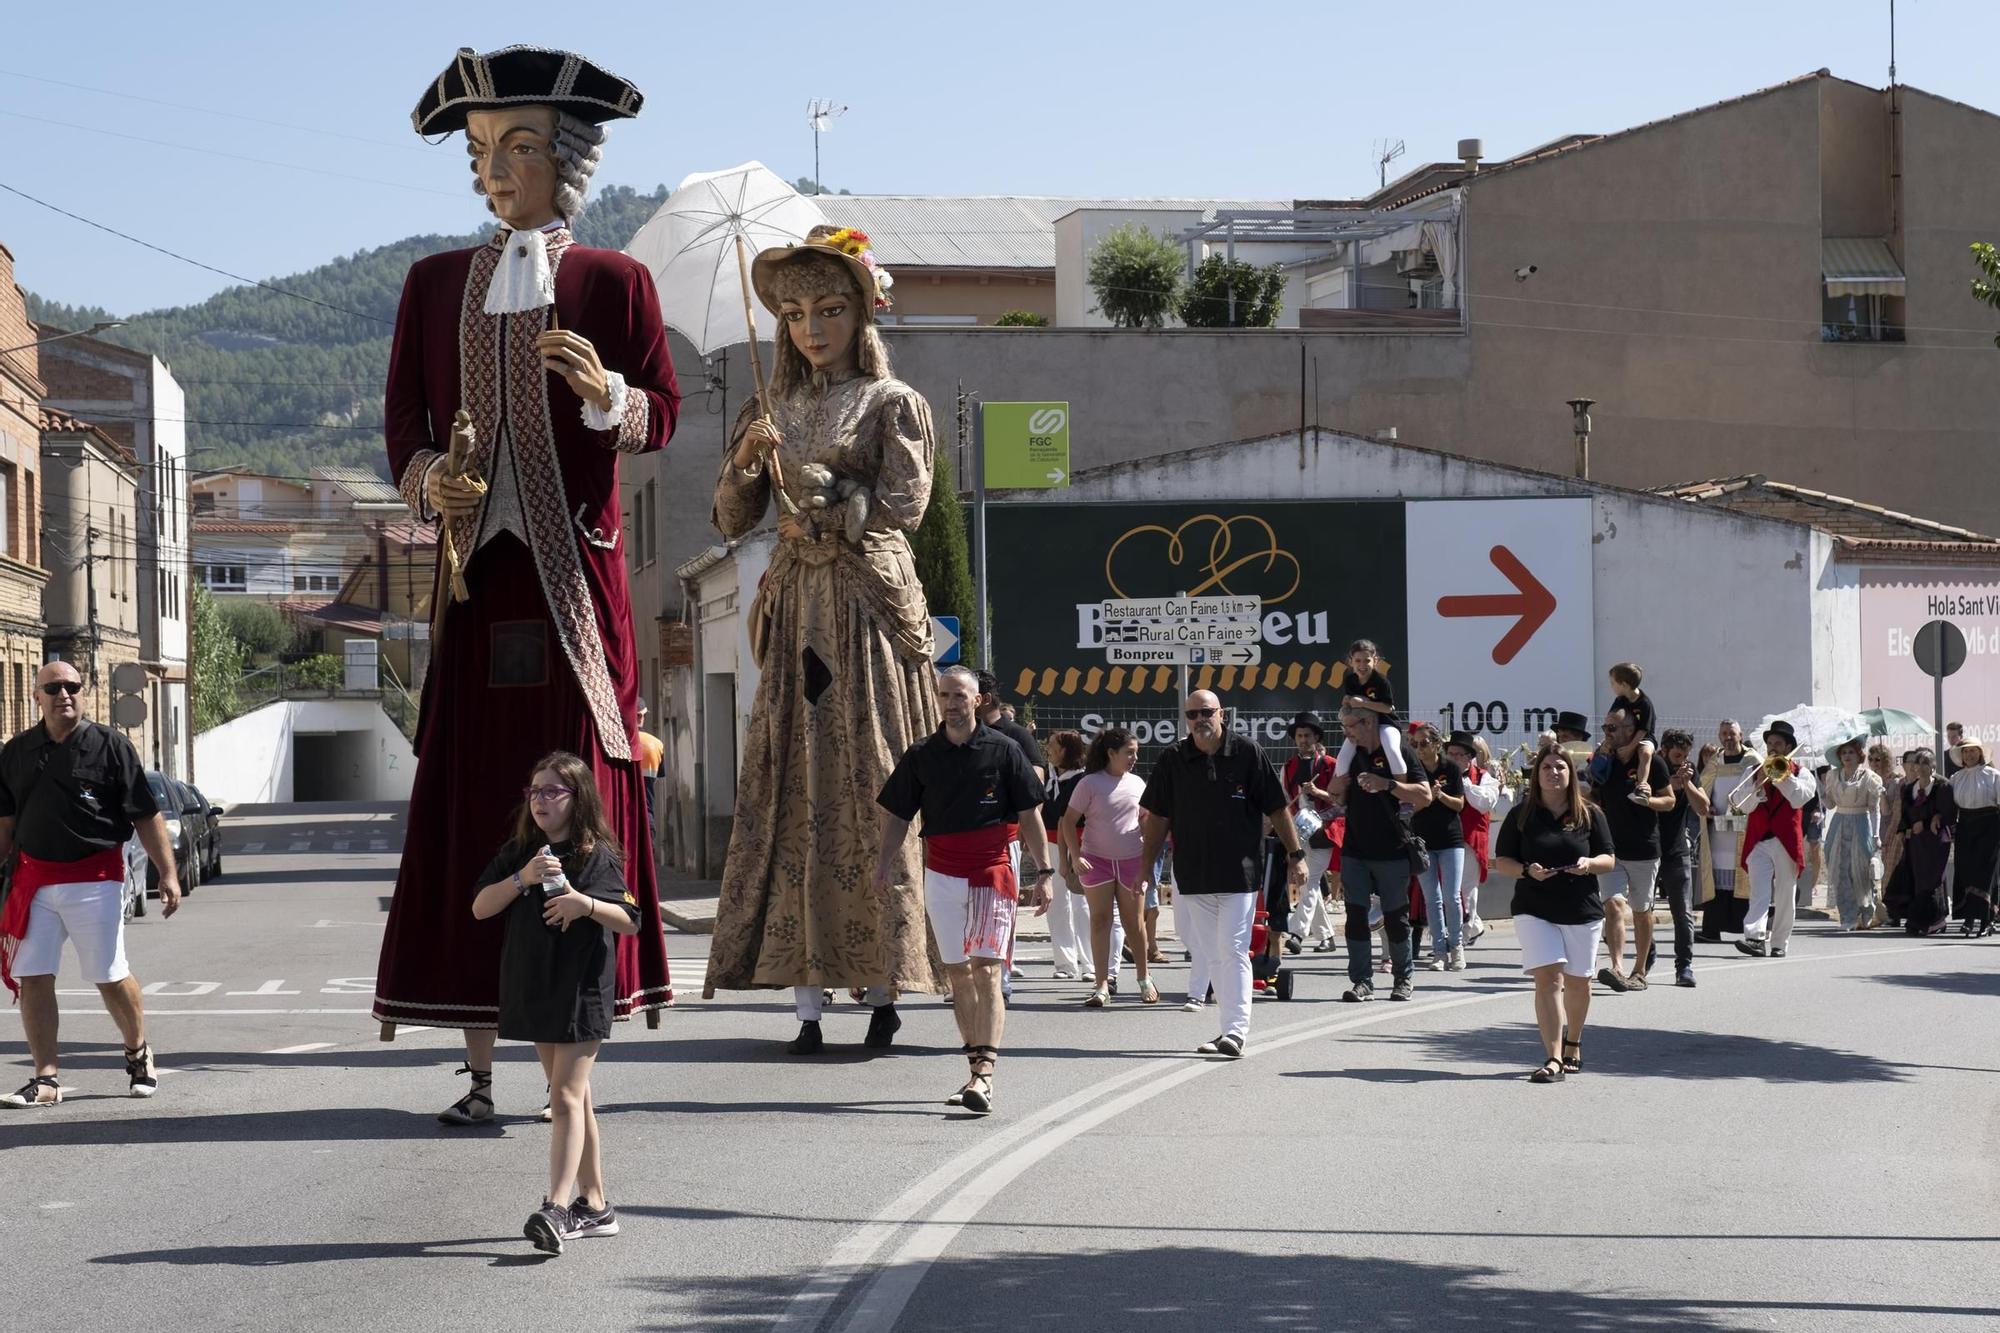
1570	721
523	76
1309	720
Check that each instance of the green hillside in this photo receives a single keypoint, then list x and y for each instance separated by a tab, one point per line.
280	384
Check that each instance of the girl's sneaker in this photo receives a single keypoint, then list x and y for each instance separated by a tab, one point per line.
587	1221
1434	964
547	1226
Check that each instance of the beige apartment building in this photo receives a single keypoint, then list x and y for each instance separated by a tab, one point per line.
22	575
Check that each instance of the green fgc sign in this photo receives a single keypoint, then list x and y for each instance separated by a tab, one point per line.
1027	445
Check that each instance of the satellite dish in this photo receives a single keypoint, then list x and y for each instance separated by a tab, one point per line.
128	710
128	678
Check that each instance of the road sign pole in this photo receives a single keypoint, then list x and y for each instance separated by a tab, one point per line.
1937	705
985	654
1184	678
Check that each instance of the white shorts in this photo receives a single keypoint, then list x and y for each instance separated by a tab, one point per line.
1634	881
1545	942
967	922
92	914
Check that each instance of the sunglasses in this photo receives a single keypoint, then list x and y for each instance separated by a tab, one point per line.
1196	713
547	793
55	687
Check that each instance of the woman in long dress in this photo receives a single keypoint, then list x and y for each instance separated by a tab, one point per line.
1883	764
1852	797
1975	792
841	634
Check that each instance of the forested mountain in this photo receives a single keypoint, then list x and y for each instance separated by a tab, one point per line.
280	384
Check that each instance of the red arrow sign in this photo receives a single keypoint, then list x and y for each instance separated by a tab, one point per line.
1529	601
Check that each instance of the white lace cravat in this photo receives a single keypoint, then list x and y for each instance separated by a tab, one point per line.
523	279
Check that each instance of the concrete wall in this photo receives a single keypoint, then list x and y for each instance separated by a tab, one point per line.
923	295
253	758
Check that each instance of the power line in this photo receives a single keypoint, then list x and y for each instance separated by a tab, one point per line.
211	111
233	157
209	268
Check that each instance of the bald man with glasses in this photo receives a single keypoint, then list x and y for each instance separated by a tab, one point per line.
1214	792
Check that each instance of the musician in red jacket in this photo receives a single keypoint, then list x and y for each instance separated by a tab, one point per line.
1773	843
548	361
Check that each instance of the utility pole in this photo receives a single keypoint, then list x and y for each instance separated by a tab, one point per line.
1580	423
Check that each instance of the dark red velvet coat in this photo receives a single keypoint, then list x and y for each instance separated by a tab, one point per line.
540	657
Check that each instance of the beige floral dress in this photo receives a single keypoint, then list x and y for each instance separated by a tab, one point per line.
842	635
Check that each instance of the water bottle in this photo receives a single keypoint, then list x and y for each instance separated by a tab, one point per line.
554	888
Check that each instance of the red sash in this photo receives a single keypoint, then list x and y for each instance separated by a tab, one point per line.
1774	817
979	857
30	875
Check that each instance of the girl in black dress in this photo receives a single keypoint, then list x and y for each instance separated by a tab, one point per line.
561	884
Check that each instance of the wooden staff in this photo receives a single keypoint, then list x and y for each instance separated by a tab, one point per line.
785	504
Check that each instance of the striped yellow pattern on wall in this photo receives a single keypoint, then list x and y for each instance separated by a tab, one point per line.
1057	682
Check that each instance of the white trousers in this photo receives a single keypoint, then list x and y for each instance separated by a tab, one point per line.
808	1000
1772	901
1069	928
1310	920
1216	927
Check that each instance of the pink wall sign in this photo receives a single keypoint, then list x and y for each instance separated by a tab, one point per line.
1895	604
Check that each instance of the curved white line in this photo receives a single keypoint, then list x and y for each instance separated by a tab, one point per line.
1030	1141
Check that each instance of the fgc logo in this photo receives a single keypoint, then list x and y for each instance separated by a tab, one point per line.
1047	421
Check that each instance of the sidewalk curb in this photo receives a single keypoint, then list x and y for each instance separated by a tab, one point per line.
691	925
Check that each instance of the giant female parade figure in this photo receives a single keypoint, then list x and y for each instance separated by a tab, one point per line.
521	370
842	636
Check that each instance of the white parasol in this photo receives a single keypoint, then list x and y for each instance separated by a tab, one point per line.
1818	727
693	245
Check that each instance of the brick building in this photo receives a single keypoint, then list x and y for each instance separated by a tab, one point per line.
22	576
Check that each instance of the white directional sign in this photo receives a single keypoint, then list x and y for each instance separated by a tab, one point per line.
944	640
1183	608
1240	654
1186	631
1166	654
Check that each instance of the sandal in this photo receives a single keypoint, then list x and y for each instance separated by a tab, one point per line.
1550	1072
139	1068
31	1093
1097	999
1149	993
977	1094
1572	1064
475	1107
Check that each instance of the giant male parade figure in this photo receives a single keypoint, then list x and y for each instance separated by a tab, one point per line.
521	370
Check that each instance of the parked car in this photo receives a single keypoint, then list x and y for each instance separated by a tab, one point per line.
185	864
212	814
204	834
136	870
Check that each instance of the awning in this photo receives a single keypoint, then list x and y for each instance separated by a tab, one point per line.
1859	266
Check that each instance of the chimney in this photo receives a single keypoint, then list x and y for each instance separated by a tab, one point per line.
1469	153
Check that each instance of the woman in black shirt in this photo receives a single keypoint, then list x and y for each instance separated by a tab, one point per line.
559	881
1439	825
1556	844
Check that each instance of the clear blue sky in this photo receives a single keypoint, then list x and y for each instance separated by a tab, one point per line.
1259	100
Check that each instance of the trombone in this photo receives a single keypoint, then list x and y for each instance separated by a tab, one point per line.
1775	769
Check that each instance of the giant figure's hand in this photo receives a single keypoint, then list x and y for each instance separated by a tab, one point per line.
453	497
759	439
570	355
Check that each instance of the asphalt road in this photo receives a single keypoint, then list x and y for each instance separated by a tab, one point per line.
1804	1143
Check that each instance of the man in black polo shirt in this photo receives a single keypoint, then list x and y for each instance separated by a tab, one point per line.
1375	854
1635	838
1680	836
1213	792
973	788
71	793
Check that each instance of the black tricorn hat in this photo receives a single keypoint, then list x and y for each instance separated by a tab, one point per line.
1782	728
523	76
1462	740
1568	721
1308	719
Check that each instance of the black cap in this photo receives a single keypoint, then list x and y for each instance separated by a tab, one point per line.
1569	721
1308	719
523	76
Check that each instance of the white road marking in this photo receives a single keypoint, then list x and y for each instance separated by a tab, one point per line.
302	1049
300	846
342	845
250	847
268	988
189	1013
378	844
194	988
324	924
1004	1158
51	1207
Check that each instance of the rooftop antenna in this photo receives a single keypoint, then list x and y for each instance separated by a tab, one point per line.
1892	43
1385	153
820	114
